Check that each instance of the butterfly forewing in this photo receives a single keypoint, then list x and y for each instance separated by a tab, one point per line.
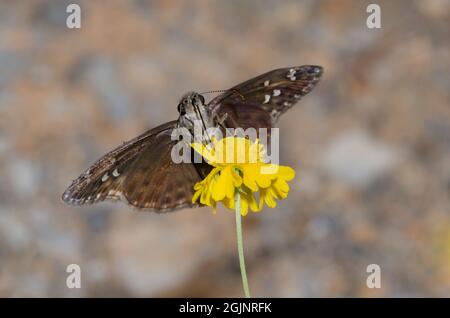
118	175
259	101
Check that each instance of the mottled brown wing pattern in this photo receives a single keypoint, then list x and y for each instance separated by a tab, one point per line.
245	115
267	96
156	183
104	179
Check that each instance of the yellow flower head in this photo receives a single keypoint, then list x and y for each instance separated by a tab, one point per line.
239	166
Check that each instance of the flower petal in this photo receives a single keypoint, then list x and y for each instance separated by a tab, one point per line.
204	152
196	195
244	207
287	172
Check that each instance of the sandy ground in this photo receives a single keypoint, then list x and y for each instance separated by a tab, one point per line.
371	147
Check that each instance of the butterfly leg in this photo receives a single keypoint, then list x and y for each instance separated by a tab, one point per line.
221	120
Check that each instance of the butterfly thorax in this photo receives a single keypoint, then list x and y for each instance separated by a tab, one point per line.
193	111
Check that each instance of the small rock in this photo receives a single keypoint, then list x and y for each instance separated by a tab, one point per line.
356	159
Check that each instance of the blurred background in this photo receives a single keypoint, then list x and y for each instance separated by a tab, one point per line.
371	147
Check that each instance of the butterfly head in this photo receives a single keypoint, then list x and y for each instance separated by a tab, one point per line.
189	101
192	108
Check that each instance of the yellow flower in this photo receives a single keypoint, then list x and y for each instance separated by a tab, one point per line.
238	165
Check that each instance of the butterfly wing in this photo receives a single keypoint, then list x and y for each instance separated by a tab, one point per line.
156	183
140	172
260	101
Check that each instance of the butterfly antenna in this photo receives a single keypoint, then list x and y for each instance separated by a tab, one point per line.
226	90
218	91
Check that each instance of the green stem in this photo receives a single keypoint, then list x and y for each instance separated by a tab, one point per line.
240	244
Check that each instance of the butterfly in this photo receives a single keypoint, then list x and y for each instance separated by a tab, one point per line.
141	171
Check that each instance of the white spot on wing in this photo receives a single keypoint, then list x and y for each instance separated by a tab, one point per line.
116	173
276	92
266	99
114	193
105	177
291	74
266	83
274	114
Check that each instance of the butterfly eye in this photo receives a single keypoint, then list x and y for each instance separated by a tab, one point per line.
181	108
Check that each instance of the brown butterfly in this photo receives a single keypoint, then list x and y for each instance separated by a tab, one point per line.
141	171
